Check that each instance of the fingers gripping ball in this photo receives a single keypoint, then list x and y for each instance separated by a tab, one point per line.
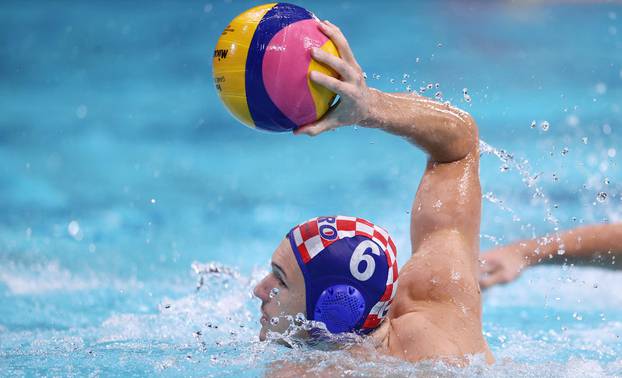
262	63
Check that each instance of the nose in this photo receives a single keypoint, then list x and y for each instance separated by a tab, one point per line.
261	289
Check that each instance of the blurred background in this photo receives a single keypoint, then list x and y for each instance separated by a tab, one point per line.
120	168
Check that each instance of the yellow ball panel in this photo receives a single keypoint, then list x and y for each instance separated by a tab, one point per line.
239	108
229	62
322	97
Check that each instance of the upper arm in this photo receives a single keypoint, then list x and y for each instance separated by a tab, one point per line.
448	197
444	229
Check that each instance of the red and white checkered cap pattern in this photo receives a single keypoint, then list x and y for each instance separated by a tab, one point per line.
310	242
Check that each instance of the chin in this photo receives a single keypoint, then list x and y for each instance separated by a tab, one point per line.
262	334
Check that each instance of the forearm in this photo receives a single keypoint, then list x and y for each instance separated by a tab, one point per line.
446	133
582	244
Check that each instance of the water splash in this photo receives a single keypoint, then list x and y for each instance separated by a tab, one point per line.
522	167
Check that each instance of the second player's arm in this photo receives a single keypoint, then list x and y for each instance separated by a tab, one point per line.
595	244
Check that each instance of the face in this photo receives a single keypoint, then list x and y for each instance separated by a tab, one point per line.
287	278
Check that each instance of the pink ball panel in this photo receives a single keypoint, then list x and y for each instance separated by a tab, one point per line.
285	68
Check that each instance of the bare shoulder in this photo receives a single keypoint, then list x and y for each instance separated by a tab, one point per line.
437	309
440	271
419	336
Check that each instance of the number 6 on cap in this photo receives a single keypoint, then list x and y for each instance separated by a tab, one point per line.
358	256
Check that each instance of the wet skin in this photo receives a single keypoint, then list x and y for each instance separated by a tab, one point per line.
436	313
596	245
290	300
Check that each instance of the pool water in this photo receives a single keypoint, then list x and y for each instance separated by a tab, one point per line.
122	176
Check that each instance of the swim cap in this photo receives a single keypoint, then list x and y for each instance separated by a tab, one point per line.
350	270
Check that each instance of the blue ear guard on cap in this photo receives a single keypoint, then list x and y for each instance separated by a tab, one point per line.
345	278
340	307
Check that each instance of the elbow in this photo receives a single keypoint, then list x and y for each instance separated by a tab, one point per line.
468	135
461	140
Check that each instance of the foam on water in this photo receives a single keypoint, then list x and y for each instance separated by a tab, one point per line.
50	277
213	331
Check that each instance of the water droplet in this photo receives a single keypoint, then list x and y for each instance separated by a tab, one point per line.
299	319
404	81
584	140
73	228
153	200
606	181
430	86
274	321
438	95
208	8
611	152
544	125
595	286
392	81
533	124
565	151
601	197
437	85
465	91
274	292
561	252
504	168
467	98
417	60
364	75
439	45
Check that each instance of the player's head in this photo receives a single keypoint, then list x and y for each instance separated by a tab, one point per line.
341	271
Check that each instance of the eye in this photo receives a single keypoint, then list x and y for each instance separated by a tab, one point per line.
280	280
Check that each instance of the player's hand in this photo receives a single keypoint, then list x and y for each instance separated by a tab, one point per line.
501	265
354	95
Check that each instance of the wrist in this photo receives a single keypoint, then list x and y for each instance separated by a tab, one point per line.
532	252
370	116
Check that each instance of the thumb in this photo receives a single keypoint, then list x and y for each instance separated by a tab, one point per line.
318	127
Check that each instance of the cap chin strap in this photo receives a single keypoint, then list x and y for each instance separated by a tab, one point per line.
341	308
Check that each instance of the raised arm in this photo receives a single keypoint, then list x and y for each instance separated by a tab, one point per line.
446	209
598	245
438	298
